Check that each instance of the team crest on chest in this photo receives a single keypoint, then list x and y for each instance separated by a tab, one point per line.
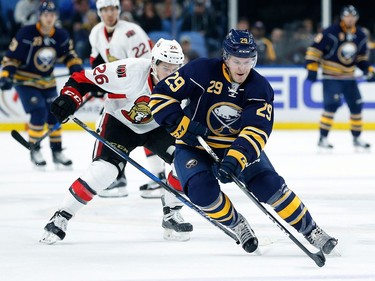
224	118
140	113
44	59
347	52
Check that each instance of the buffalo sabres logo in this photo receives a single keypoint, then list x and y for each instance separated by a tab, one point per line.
140	113
346	53
224	118
44	59
121	71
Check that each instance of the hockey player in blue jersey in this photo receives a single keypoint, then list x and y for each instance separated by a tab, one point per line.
230	105
30	62
339	49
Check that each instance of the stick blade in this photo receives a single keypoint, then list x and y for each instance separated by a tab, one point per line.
17	136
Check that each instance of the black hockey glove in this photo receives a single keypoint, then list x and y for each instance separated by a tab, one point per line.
66	104
230	166
6	83
312	75
187	130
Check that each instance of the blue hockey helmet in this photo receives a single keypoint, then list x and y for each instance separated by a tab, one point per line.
349	10
239	43
47	6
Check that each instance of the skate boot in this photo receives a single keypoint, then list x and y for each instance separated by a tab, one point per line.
360	144
175	227
60	158
116	189
56	228
245	234
321	240
323	143
152	189
37	157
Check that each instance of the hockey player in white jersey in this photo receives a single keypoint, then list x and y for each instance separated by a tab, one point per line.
127	123
113	39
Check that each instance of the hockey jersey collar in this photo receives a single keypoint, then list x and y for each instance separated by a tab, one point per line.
352	30
39	28
226	73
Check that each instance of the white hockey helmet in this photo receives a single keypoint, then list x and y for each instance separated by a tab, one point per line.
107	3
168	51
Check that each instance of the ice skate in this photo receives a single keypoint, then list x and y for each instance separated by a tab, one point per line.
152	189
37	158
60	159
175	227
359	144
117	189
56	228
324	144
322	240
245	234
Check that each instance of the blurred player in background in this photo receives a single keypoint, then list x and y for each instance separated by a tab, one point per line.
30	62
338	50
113	39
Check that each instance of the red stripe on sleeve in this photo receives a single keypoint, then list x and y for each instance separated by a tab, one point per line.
80	77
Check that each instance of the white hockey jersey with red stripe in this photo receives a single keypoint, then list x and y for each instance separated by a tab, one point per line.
129	85
128	40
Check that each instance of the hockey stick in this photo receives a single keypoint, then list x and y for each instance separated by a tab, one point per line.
153	177
31	146
318	257
47	78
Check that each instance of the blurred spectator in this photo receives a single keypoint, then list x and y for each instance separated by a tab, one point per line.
165	9
82	22
26	12
150	20
203	21
243	24
280	45
302	38
266	51
189	53
128	11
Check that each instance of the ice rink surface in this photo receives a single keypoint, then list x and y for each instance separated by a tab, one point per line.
121	238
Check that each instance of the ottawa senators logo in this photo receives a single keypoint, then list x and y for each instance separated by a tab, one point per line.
121	71
140	113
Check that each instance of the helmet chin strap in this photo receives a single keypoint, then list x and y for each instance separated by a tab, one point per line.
154	72
228	70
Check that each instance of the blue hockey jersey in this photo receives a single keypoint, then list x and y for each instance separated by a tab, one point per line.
32	56
236	114
338	51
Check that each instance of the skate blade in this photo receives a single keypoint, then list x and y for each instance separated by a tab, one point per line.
114	193
49	238
172	235
62	167
359	149
257	252
336	253
41	168
324	150
152	194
